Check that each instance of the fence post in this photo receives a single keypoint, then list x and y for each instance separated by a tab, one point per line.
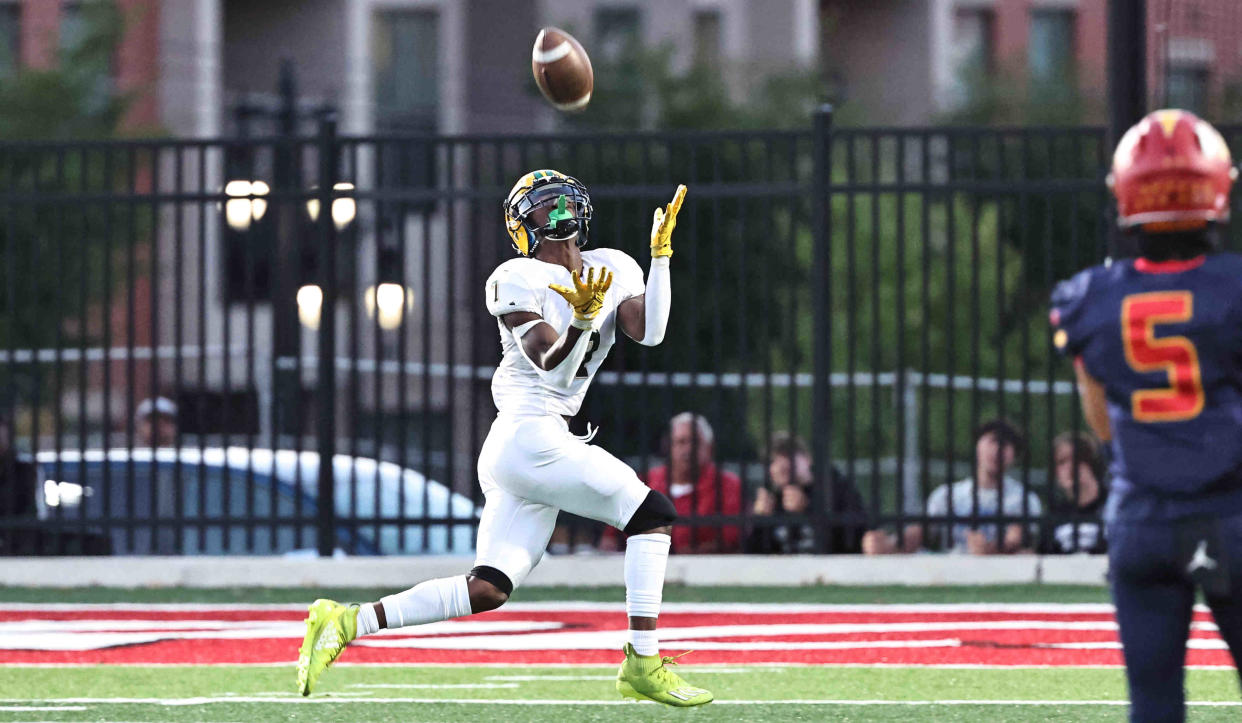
821	295
325	377
284	265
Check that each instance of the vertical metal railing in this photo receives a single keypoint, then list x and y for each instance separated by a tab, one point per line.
875	291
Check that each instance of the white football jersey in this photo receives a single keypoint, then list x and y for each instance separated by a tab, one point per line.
521	284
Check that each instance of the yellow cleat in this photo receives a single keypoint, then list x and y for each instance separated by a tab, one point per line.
647	677
330	626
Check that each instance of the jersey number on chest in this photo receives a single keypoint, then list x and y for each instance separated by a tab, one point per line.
592	345
1175	356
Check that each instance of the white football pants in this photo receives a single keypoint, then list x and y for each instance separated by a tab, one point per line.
532	467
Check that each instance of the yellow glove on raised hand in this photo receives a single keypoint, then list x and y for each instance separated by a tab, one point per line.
663	225
586	297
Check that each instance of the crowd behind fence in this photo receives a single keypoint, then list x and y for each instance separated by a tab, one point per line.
189	327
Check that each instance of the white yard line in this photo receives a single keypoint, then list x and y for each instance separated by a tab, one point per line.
722	668
519	702
579	606
536	678
439	686
704	669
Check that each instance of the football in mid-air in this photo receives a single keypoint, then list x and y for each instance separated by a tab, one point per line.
562	69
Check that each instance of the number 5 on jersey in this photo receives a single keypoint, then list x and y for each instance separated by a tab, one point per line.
1176	356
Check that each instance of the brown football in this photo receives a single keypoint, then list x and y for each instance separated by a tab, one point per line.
562	69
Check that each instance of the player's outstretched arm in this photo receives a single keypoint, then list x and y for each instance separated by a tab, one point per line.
645	318
557	358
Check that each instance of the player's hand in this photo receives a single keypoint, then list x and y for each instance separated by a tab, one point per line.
586	297
663	224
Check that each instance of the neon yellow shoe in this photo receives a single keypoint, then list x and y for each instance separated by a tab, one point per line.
330	626
647	677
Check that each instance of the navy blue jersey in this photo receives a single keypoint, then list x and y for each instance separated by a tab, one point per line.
1165	340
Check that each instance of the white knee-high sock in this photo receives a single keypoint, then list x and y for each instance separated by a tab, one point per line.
646	557
427	602
368	623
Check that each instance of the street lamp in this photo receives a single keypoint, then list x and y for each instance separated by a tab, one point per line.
310	304
343	209
246	203
388	303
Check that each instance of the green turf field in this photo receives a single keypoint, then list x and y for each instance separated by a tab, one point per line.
420	693
414	694
672	593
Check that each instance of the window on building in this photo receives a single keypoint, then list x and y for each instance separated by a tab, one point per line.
72	25
616	45
707	38
405	50
1050	51
618	33
972	52
405	61
79	22
10	38
1188	88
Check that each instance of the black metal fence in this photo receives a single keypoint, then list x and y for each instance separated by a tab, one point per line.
877	292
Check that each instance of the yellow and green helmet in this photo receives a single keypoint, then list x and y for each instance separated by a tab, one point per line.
539	189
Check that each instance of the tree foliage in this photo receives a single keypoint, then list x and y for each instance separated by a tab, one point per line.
55	248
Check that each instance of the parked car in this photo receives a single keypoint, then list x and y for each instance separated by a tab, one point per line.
249	501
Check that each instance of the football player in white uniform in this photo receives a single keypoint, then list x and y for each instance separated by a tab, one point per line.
558	309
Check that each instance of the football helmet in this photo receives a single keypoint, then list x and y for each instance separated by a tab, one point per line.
540	189
1171	172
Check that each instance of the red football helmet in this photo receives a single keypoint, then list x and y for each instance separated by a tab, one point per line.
1171	172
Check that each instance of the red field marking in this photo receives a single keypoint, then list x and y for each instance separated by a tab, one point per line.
134	635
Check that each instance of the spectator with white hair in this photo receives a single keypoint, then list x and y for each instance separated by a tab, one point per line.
698	487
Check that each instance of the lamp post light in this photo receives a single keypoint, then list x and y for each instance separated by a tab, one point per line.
310	305
389	303
344	209
246	204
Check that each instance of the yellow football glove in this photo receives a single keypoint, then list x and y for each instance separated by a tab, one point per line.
663	225
586	298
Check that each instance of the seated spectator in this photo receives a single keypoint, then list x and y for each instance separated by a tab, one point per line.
18	476
156	419
18	490
997	444
697	488
1078	506
573	535
790	493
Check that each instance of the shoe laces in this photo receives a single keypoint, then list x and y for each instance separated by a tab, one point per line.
669	675
672	659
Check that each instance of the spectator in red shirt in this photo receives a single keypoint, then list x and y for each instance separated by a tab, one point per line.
698	488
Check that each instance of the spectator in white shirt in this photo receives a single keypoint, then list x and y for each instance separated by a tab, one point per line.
969	502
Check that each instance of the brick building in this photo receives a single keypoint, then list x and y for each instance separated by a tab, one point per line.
907	62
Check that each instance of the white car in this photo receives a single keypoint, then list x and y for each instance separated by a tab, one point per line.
249	501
